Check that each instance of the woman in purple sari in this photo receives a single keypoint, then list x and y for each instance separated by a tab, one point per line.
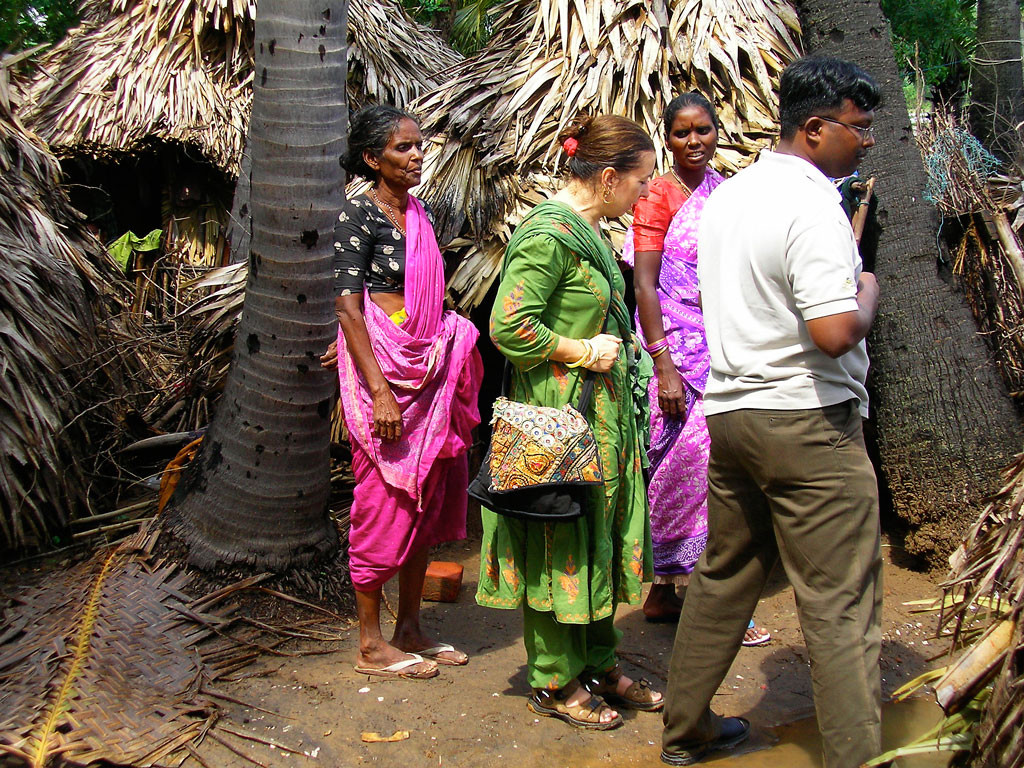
410	375
663	251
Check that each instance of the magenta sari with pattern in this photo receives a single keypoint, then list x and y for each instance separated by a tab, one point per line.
411	493
680	447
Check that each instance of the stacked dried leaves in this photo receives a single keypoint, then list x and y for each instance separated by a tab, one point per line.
988	569
496	121
391	58
139	71
64	371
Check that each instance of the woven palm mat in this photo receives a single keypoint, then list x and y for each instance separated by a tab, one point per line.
111	661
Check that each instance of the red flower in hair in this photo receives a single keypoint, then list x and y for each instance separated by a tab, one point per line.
570	145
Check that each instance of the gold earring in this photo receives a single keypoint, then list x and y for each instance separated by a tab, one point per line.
607	192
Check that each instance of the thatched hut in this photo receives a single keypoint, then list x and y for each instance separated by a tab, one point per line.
61	372
496	121
148	103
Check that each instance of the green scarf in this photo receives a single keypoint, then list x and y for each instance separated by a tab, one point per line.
580	237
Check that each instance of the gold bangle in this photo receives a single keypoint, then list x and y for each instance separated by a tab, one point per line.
588	350
659	352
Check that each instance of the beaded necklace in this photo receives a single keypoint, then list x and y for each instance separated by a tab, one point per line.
388	211
683	184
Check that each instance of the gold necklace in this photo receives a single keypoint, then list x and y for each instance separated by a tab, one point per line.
683	184
389	211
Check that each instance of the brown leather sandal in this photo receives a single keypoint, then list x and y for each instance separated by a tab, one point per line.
638	696
586	715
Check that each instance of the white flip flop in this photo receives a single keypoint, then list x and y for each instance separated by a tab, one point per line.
432	653
398	669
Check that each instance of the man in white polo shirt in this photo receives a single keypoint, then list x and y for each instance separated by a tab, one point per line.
786	309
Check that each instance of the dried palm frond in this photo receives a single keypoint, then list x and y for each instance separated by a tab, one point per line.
391	58
136	72
982	608
62	372
71	686
495	123
988	569
983	222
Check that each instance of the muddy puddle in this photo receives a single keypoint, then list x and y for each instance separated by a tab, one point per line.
797	744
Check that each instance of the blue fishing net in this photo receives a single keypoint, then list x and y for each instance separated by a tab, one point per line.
955	148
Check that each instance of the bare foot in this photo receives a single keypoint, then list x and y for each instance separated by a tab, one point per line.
662	604
381	655
415	642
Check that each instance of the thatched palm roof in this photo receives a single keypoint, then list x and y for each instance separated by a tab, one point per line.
136	72
391	58
497	120
52	353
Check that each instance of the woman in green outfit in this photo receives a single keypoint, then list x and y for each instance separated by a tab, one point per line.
559	281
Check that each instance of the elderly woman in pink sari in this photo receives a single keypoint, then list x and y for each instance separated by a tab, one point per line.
409	374
662	248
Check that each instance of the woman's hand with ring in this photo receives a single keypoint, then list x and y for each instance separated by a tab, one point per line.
607	348
387	419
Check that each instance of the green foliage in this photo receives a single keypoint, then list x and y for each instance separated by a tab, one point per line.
935	36
465	24
25	23
472	26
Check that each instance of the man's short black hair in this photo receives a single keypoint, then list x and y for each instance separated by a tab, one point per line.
816	84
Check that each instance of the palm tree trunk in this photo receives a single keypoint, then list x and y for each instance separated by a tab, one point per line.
997	80
258	492
945	423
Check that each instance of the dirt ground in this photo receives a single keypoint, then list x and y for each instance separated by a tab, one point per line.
476	716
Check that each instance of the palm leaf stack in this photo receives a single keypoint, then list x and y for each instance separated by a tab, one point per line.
982	609
136	72
391	58
64	372
495	123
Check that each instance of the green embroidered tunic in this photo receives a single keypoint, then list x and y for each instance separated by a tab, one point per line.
555	283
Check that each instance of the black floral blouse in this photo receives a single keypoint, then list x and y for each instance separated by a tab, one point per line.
368	250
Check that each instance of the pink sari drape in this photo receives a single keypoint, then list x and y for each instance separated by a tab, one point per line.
680	447
434	370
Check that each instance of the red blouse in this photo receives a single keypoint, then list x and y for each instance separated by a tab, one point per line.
653	214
